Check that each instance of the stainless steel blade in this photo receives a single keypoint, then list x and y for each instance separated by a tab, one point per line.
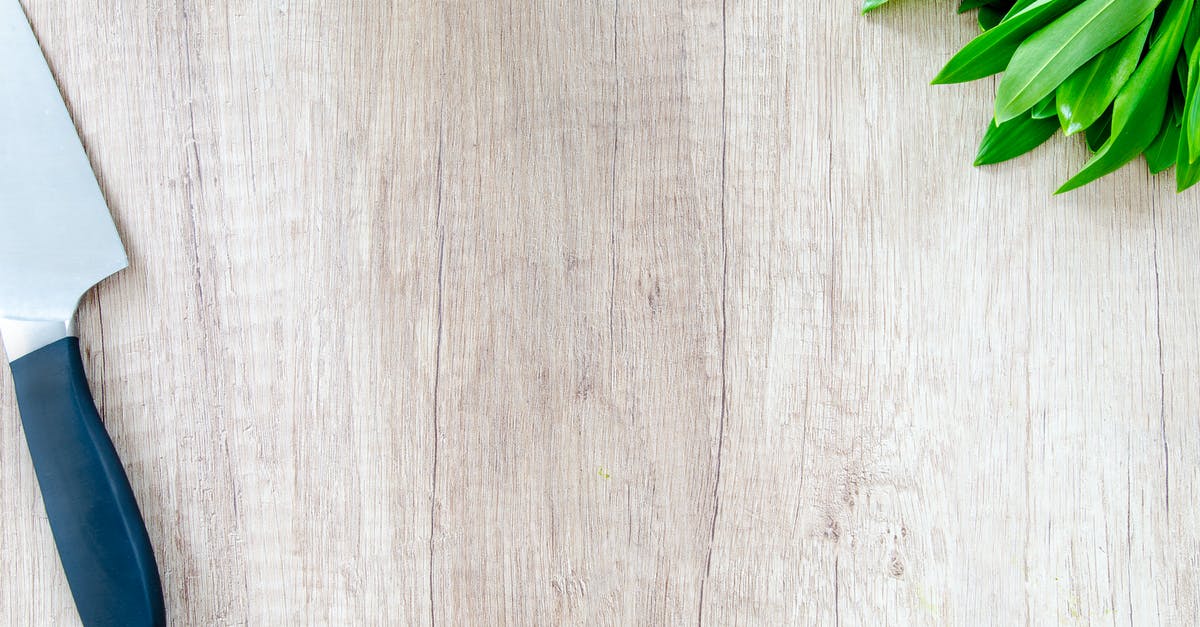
57	238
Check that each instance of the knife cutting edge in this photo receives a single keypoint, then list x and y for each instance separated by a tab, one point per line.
57	241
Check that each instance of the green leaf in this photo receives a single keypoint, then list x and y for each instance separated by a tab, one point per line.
1141	105
1052	54
1177	96
989	17
1186	174
1161	155
1192	36
1089	91
1191	108
990	52
871	5
1014	138
1045	108
991	12
1099	132
1020	5
967	5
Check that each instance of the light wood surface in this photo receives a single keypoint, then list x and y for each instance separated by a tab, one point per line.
611	313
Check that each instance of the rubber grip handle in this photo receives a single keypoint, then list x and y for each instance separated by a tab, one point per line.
101	538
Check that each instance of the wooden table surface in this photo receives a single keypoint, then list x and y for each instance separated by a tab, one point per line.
613	313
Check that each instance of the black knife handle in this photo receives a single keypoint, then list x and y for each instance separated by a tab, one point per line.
101	538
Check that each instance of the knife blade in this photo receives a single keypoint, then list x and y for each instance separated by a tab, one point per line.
57	241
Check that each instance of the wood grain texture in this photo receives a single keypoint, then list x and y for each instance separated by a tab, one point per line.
612	312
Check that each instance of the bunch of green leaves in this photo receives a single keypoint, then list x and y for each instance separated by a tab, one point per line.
1124	73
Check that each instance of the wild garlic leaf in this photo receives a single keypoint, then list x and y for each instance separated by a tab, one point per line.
989	17
1192	37
1045	108
1048	57
1161	155
1106	69
1191	107
990	11
989	53
1141	105
1014	138
1177	102
871	5
1186	174
967	5
1098	133
1020	5
1088	92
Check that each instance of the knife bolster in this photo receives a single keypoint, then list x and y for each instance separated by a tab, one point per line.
22	337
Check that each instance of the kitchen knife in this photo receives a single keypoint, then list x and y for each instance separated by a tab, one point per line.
57	240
